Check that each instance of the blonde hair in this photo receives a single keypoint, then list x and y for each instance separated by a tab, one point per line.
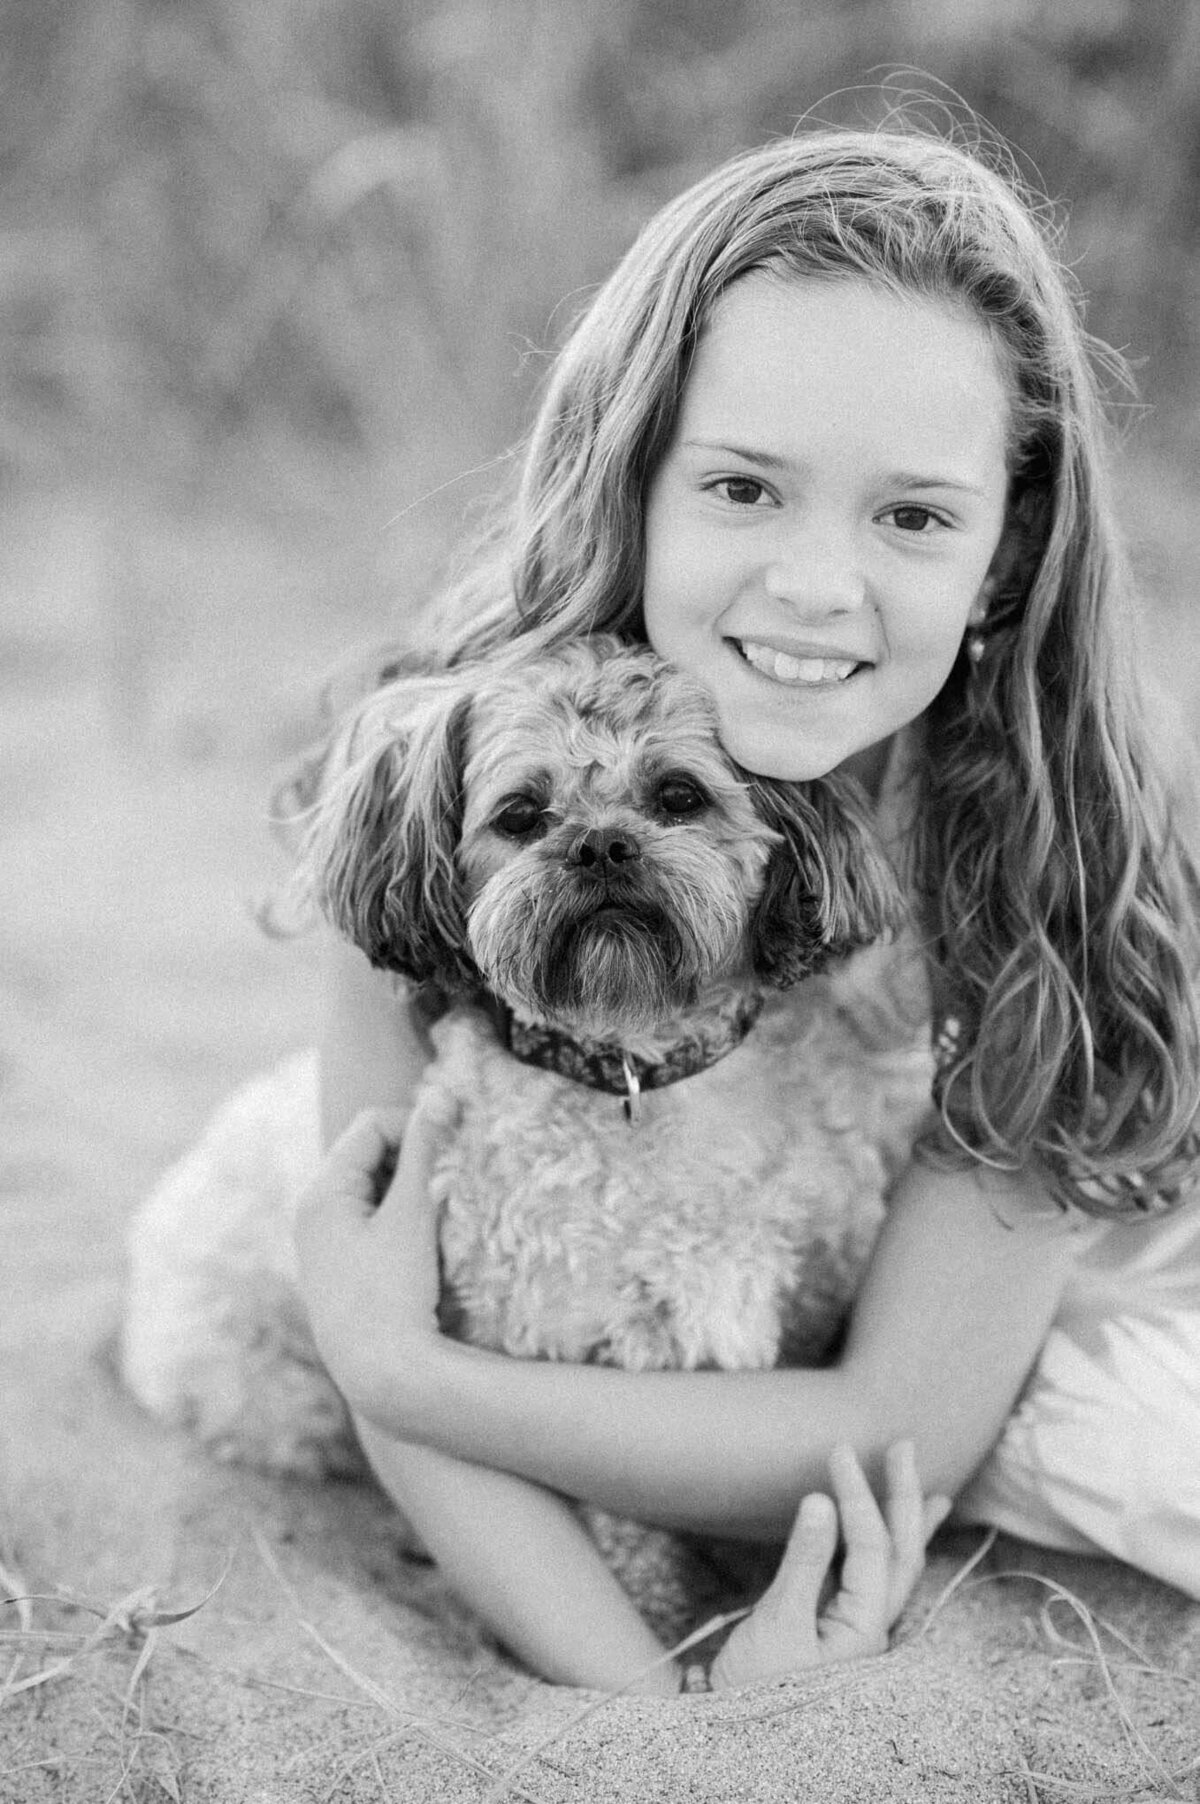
1056	896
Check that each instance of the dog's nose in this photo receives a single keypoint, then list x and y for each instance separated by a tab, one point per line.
603	849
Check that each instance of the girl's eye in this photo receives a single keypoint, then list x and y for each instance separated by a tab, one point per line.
742	491
520	817
679	796
913	519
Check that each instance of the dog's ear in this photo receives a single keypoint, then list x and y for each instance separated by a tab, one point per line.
829	887
383	843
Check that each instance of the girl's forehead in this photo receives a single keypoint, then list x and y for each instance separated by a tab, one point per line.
786	357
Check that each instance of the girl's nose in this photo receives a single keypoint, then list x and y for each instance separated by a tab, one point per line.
816	572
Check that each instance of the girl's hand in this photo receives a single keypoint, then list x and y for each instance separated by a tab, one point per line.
369	1266
883	1557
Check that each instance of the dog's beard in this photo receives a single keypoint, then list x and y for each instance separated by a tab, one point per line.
607	962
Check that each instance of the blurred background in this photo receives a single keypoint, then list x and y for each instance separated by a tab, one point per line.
278	282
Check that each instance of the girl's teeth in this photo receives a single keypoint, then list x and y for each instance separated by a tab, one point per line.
786	669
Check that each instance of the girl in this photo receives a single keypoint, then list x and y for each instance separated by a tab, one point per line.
829	440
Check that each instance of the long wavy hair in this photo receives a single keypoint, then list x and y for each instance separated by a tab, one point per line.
1055	895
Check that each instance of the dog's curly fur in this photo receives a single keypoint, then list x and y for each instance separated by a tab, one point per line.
566	835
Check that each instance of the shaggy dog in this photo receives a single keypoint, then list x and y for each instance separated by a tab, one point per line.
672	1152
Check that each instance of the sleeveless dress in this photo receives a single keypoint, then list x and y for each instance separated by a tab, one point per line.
1101	1453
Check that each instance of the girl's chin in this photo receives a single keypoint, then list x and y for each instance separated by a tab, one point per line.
771	755
788	765
782	750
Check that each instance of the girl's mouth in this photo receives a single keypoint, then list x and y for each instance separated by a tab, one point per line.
801	673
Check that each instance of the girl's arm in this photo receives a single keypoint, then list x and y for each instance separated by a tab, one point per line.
521	1558
956	1302
514	1551
374	1046
958	1298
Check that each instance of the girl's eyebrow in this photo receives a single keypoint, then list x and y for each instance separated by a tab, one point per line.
904	480
771	460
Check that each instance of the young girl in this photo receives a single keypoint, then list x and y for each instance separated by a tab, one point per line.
830	441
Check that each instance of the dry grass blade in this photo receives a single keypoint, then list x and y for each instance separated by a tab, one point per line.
12	1582
140	1664
947	1592
425	1728
372	1752
133	1615
378	1696
1095	1655
501	1789
1135	1740
43	1637
303	1691
1090	1790
1027	1779
1141	1663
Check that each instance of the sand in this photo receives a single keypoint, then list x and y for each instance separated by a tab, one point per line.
136	990
326	1665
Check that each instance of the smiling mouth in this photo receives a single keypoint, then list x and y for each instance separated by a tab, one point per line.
800	673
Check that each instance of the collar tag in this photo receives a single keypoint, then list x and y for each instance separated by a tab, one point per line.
632	1104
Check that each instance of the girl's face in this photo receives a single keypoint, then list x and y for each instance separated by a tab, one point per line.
819	533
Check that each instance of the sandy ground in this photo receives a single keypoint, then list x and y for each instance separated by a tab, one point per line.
153	670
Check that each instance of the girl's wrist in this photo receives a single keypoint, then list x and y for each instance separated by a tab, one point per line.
401	1384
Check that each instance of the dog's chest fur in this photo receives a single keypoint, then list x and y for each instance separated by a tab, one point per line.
727	1228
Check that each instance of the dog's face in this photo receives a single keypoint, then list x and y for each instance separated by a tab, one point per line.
609	855
569	834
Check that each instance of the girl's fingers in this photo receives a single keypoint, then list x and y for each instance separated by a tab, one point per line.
912	1519
377	1142
904	1508
934	1514
347	1174
796	1587
780	1634
434	1116
903	1505
866	1563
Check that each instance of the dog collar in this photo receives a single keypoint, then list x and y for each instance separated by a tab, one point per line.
607	1065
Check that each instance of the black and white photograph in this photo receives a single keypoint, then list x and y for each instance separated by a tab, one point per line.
600	901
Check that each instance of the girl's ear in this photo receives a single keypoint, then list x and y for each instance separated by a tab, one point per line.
829	888
382	848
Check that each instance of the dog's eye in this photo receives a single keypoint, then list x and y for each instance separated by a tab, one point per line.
680	796
520	817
